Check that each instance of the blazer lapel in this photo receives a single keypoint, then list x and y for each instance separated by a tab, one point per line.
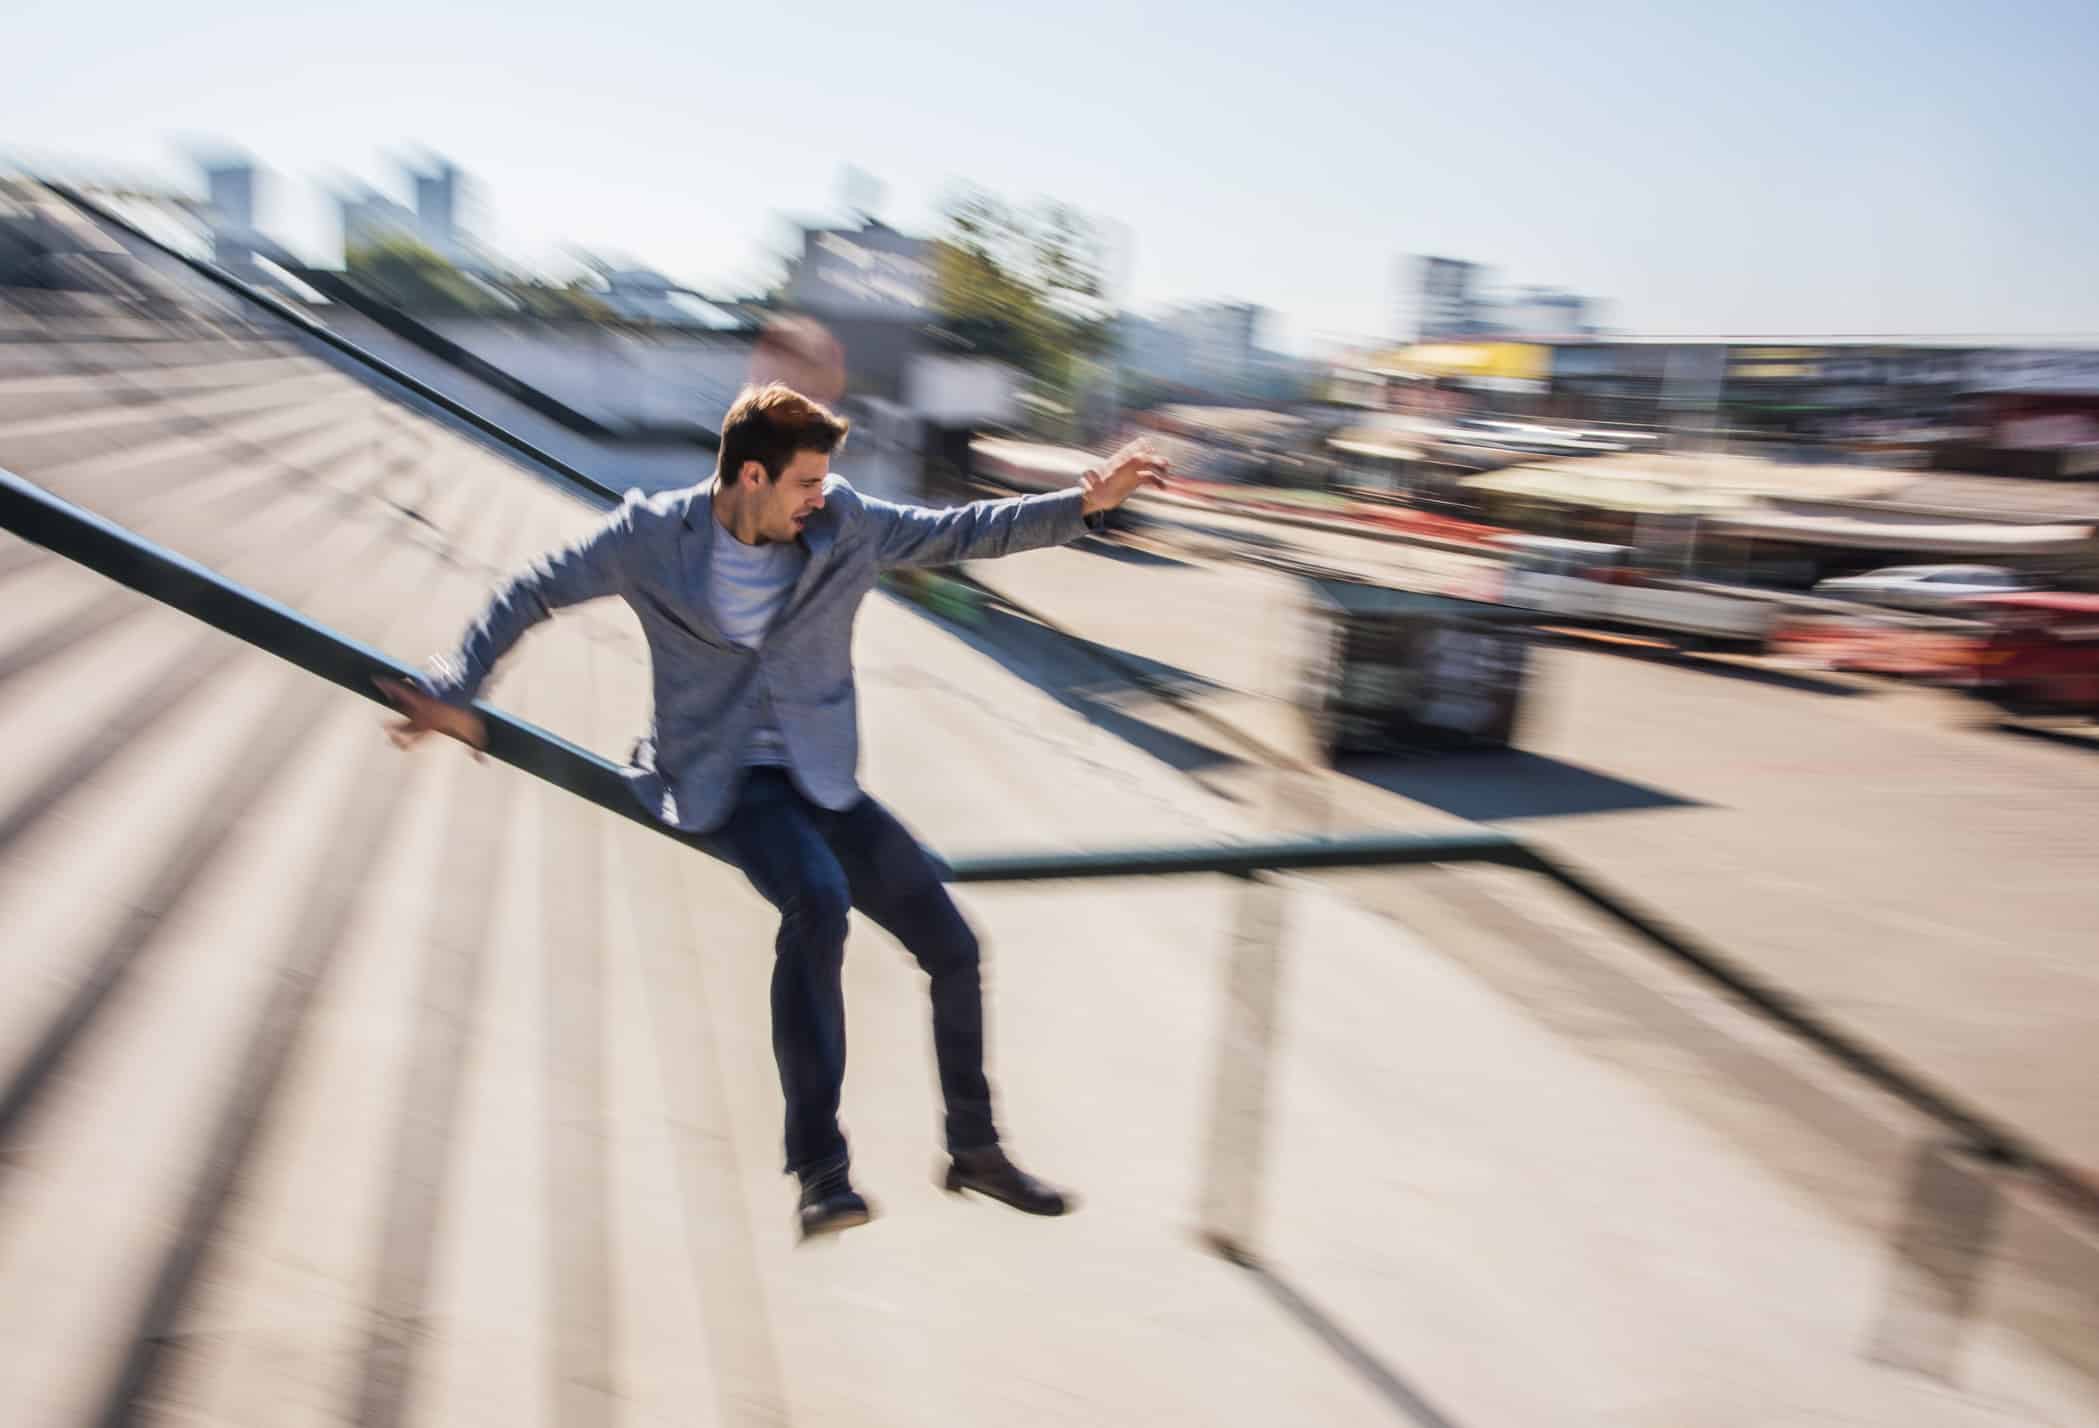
816	539
696	557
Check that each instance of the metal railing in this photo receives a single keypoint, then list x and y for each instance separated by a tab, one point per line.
37	515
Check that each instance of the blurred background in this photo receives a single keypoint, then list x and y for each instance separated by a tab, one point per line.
1670	440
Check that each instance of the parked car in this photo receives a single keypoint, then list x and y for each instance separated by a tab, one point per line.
2042	652
1924	587
1592	583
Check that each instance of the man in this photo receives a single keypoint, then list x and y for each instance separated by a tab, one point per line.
746	586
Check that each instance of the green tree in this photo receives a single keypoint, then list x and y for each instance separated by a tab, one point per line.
416	278
1023	285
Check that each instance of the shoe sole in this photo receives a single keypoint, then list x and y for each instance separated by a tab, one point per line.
956	1187
831	1227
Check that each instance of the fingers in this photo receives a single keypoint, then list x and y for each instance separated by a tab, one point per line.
1130	452
407	731
406	698
422	716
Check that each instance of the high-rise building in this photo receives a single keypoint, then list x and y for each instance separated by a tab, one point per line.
437	202
1447	299
434	222
1222	340
231	185
1450	298
1545	312
1209	347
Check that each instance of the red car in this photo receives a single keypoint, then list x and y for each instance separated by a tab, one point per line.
2041	655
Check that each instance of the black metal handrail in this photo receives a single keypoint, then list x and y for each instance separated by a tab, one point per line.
39	516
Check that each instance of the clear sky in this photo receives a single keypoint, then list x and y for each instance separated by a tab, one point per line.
1835	167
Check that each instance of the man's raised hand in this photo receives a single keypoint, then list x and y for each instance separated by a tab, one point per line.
1136	465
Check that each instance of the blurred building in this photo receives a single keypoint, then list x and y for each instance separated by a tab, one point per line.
1453	298
370	218
1546	312
1223	342
2009	410
1209	350
230	184
437	204
1446	299
233	187
869	270
638	294
872	287
2028	411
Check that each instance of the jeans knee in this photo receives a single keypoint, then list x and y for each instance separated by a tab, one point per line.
814	920
950	947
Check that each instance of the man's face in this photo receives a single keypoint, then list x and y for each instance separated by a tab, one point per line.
785	505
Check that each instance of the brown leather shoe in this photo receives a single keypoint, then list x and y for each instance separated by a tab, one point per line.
989	1173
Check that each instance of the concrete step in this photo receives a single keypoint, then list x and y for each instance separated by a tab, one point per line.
72	734
346	445
158	1083
98	479
207	350
255	1343
26	445
100	695
206	905
205	531
195	484
57	393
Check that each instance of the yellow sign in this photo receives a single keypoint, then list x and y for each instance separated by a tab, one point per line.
1516	361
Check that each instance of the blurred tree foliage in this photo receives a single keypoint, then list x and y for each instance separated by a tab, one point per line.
418	279
1023	284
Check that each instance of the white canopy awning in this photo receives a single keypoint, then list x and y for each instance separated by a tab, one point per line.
1894	530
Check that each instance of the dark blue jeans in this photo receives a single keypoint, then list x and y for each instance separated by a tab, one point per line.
815	866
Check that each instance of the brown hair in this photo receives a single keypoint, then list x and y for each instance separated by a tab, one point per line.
770	425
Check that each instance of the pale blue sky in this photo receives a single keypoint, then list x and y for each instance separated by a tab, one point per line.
1791	167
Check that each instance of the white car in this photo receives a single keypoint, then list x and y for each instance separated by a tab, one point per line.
1924	587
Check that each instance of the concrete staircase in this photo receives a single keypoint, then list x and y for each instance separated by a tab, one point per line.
338	1085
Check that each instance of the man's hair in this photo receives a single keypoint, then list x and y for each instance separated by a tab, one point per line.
770	425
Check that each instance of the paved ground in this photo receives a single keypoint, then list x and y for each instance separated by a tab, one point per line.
1925	876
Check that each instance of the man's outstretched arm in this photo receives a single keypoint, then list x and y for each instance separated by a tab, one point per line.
439	702
981	530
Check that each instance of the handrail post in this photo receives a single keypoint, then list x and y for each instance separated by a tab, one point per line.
1940	1253
1235	1155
